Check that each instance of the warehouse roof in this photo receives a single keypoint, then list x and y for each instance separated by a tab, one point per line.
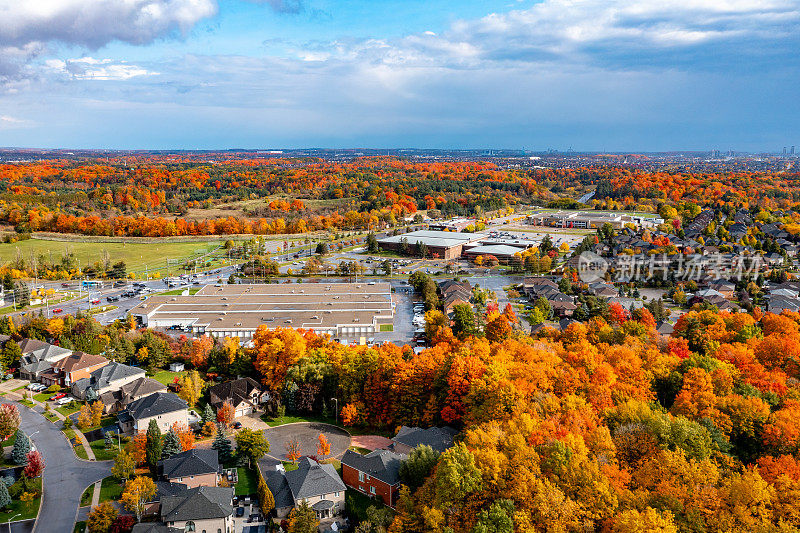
444	239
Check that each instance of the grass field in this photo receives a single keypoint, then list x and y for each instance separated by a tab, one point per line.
248	482
136	255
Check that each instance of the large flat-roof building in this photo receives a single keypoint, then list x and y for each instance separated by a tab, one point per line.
445	244
349	312
590	219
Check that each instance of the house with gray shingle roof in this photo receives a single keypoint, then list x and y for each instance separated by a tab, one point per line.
194	468
376	474
440	439
165	408
109	378
38	356
317	484
199	509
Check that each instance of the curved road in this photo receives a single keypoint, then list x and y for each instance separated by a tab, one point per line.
65	476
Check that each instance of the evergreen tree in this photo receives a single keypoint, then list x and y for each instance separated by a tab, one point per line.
153	445
11	353
223	445
22	445
5	497
172	445
208	414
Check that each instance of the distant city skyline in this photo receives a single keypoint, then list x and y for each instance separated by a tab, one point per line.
596	75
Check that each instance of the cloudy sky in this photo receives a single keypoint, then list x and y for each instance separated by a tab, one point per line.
588	74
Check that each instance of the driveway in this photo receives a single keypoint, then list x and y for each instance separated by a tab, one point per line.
371	442
307	434
65	476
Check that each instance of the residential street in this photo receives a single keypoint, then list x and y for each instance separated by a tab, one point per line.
65	476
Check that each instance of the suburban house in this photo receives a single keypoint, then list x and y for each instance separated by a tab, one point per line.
117	386
165	408
75	366
245	394
440	439
199	509
38	356
193	468
376	474
317	484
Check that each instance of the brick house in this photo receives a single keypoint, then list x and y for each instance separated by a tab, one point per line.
245	394
75	366
193	468
376	474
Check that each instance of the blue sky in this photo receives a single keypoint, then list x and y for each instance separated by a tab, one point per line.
588	74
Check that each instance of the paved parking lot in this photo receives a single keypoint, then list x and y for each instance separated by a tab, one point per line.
307	434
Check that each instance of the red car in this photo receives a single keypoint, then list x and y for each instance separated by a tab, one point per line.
95	302
57	310
58	396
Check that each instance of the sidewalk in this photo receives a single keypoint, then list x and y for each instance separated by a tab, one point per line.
78	434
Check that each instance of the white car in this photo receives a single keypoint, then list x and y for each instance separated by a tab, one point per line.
65	400
33	386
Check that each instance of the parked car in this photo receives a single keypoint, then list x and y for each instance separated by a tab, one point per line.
33	386
239	512
95	301
236	425
57	310
58	396
65	400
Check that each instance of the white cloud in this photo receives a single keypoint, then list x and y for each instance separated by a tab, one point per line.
94	23
8	122
89	68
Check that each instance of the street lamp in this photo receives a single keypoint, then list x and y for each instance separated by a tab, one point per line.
12	518
336	410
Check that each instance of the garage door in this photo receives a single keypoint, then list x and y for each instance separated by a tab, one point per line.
244	411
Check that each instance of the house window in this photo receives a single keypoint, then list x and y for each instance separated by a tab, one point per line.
188	527
361	488
336	495
361	476
372	490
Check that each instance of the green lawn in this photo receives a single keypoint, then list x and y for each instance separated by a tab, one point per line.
178	292
51	416
105	421
357	504
387	327
289	419
26	510
110	489
362	451
26	403
78	448
80	527
66	410
248	482
289	466
43	396
166	377
136	255
101	453
86	497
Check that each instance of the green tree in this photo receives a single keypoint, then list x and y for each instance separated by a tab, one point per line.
171	446
5	497
22	445
251	444
463	321
322	248
223	445
208	414
303	519
543	305
372	243
124	466
456	476
498	519
22	294
11	353
153	445
419	465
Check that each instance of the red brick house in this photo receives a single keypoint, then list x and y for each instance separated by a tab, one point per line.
376	474
70	369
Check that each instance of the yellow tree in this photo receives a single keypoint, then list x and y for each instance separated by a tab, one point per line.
275	351
324	447
191	387
137	493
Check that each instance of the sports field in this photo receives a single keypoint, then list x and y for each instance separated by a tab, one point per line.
136	255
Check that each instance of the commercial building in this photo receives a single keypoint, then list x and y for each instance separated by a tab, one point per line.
349	312
590	219
441	244
454	224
